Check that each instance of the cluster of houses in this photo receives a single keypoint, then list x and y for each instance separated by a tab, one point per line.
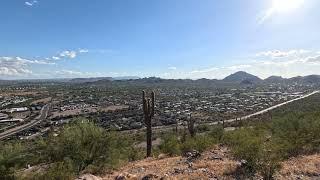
5	101
74	106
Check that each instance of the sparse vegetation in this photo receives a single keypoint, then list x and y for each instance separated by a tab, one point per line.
79	147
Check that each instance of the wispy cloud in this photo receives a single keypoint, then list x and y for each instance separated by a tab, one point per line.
172	68
265	15
55	57
83	50
68	54
282	54
279	6
31	3
67	73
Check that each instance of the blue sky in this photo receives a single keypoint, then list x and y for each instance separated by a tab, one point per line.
164	38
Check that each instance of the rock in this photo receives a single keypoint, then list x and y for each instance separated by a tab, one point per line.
88	177
150	176
216	157
166	176
162	156
126	176
192	155
243	163
178	171
120	177
203	170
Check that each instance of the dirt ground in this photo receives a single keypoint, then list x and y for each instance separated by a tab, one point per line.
211	164
214	164
86	110
44	100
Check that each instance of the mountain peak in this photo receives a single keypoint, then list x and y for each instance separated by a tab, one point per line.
241	76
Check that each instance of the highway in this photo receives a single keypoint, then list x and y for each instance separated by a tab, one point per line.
42	116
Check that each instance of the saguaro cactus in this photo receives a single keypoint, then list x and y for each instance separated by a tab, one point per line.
148	110
191	126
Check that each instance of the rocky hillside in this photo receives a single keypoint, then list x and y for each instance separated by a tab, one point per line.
214	164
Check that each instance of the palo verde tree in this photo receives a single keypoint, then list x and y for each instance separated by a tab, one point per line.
148	110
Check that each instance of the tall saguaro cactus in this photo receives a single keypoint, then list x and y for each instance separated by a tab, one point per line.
148	110
191	126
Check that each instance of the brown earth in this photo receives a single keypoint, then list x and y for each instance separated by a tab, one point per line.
214	164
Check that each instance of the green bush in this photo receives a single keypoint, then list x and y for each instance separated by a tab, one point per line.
170	144
199	143
86	144
297	133
254	146
79	147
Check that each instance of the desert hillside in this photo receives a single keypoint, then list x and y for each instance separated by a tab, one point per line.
216	163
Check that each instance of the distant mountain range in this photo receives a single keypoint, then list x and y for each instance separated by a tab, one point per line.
238	78
70	80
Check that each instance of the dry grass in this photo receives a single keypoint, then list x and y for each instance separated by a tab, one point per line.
303	167
211	164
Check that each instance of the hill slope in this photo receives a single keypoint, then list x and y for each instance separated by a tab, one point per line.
241	76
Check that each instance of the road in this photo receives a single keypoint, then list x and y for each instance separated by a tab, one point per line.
268	109
42	116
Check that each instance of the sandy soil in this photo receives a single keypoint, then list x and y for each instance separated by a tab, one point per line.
44	100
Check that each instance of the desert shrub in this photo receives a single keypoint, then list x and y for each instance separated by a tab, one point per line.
216	133
173	145
245	144
86	144
202	128
297	133
79	147
255	147
170	144
16	155
199	143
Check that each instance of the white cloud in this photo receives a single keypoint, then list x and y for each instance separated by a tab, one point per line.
172	68
292	63
55	57
31	3
68	54
313	59
83	51
18	66
281	54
